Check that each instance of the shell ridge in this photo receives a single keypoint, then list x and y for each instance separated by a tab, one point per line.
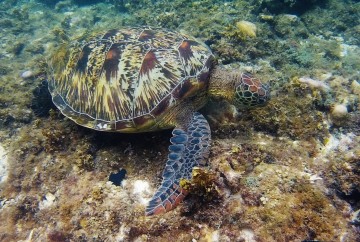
157	81
136	84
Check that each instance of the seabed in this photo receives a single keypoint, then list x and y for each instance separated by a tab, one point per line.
288	171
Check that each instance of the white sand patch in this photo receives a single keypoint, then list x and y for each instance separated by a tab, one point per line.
142	190
247	235
314	83
3	164
342	143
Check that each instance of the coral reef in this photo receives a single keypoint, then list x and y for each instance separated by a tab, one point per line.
288	171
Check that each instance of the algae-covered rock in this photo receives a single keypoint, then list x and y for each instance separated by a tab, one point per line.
287	24
286	172
246	29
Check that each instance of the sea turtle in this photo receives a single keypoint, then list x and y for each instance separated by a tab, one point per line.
144	79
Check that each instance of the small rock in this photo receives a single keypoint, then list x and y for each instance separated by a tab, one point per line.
339	111
246	29
48	201
291	17
27	74
266	17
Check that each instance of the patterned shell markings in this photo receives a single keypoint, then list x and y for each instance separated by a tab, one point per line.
123	79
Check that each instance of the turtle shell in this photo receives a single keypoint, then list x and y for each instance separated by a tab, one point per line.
126	80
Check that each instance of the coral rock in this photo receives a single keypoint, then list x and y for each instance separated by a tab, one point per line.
246	29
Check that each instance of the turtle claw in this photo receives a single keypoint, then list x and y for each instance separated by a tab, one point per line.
189	147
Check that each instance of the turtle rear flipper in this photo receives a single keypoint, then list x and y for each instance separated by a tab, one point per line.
189	147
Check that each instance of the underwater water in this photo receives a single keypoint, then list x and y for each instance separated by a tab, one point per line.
286	171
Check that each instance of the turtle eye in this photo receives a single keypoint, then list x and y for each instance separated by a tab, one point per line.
250	92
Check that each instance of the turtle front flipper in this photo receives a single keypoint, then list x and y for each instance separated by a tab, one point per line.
189	148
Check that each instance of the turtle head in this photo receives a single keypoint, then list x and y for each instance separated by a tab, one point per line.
250	92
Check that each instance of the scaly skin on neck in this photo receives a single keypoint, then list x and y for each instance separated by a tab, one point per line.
222	83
